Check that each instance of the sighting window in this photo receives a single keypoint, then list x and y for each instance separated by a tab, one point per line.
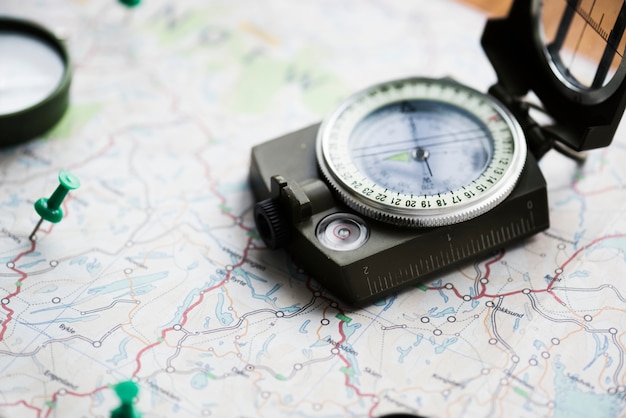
584	40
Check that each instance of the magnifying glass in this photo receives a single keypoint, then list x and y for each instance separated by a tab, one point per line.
35	77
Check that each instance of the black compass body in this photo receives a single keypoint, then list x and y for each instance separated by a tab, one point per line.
410	177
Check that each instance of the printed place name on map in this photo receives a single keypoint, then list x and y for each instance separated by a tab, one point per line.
240	372
373	373
558	238
15	238
508	312
520	381
400	404
238	281
549	278
67	328
163	391
59	379
448	381
343	347
136	263
251	263
580	381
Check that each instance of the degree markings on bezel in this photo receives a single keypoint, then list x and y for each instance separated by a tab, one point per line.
499	128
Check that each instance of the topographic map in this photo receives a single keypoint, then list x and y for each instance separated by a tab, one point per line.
156	273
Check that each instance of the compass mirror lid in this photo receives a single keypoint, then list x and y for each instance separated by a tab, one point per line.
583	43
570	53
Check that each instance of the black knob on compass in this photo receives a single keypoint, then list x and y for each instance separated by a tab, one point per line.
272	224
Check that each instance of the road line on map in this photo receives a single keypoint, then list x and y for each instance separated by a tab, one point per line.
191	307
22	402
23	277
349	366
548	289
72	393
577	252
338	343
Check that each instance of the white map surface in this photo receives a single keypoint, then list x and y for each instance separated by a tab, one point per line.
156	273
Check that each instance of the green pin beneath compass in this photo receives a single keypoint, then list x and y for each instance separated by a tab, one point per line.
130	3
127	392
50	208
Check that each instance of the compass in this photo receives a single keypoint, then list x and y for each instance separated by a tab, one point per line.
421	152
408	178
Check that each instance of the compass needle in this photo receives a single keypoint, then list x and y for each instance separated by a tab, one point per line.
445	133
403	157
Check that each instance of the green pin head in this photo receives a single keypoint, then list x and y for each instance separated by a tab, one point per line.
127	392
130	3
68	180
50	208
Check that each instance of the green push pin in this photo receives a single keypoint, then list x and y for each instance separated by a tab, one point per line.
130	3
127	392
50	208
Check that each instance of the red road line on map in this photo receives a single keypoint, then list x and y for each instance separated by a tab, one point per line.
102	151
342	357
349	365
234	217
202	292
192	306
53	401
577	252
65	212
69	392
10	311
146	348
22	402
483	286
548	288
489	263
23	276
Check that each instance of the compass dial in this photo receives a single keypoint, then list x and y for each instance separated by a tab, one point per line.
421	152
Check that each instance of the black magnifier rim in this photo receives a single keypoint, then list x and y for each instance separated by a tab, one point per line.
28	123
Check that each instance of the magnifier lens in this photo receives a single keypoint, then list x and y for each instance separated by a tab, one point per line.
35	78
29	73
